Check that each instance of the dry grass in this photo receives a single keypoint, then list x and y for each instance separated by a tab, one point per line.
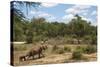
51	58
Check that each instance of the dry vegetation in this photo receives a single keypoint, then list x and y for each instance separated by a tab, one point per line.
55	54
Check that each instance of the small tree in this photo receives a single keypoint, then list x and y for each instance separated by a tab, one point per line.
79	27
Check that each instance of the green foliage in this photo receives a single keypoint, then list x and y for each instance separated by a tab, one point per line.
38	29
80	28
91	39
18	29
77	55
67	49
90	49
87	39
39	38
94	39
60	51
29	38
87	49
80	48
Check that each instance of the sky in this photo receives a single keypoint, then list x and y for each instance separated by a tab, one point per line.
63	12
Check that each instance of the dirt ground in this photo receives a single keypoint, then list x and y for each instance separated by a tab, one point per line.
51	58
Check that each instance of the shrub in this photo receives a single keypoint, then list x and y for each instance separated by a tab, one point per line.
77	55
87	39
90	49
94	39
68	49
60	51
80	48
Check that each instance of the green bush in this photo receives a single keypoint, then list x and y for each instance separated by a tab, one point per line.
77	55
90	49
90	39
60	51
87	49
87	39
68	49
94	39
80	48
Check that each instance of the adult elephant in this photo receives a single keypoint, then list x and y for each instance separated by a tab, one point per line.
38	50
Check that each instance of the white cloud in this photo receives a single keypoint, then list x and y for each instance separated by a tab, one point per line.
39	14
32	12
83	11
71	10
94	23
81	7
90	20
77	9
49	4
44	15
69	16
87	19
49	17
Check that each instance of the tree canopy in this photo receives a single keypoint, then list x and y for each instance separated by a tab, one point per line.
39	28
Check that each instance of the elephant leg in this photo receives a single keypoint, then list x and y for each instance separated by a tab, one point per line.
24	58
27	58
39	55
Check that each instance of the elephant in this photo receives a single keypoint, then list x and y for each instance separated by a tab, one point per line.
34	51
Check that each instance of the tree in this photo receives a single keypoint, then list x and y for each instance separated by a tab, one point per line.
18	21
79	27
29	37
17	5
